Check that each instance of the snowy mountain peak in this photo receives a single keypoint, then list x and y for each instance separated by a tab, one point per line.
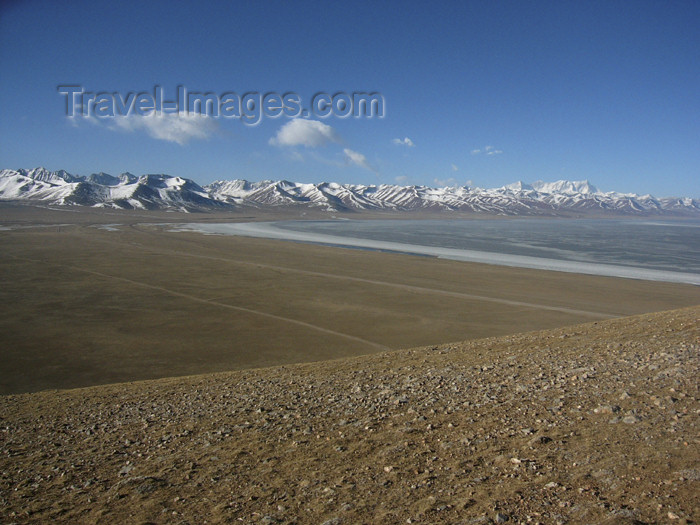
127	178
566	187
52	177
160	191
519	186
103	178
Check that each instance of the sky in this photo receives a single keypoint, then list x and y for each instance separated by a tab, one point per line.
478	93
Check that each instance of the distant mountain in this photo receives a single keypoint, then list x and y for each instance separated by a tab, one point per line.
128	191
101	189
566	187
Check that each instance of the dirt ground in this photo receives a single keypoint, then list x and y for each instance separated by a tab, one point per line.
303	410
83	305
594	423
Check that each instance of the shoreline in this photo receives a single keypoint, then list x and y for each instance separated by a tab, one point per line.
141	303
268	230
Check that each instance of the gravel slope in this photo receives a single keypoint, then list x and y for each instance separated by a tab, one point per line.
595	423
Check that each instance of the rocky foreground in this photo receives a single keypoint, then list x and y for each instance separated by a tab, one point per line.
595	423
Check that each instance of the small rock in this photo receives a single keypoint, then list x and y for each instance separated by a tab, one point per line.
539	440
501	518
607	409
631	420
126	469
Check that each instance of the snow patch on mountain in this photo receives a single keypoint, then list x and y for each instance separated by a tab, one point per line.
160	191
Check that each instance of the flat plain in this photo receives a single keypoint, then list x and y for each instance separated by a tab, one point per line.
92	297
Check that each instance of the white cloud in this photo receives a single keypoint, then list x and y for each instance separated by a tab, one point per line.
303	132
454	167
357	158
169	126
488	150
404	142
78	120
401	178
444	182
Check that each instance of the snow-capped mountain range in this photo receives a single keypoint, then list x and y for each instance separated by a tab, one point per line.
128	191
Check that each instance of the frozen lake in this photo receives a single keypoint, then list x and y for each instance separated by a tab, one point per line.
641	249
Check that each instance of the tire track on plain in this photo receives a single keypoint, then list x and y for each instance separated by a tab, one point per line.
212	302
405	287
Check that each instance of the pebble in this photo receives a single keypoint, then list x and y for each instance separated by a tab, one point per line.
631	419
607	409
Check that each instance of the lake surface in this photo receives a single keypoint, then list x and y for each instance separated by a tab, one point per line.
643	249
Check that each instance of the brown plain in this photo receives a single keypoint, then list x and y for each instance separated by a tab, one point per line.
81	305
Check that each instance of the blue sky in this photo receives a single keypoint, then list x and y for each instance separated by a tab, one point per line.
487	93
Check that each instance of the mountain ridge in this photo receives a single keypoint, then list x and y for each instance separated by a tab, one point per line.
166	192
